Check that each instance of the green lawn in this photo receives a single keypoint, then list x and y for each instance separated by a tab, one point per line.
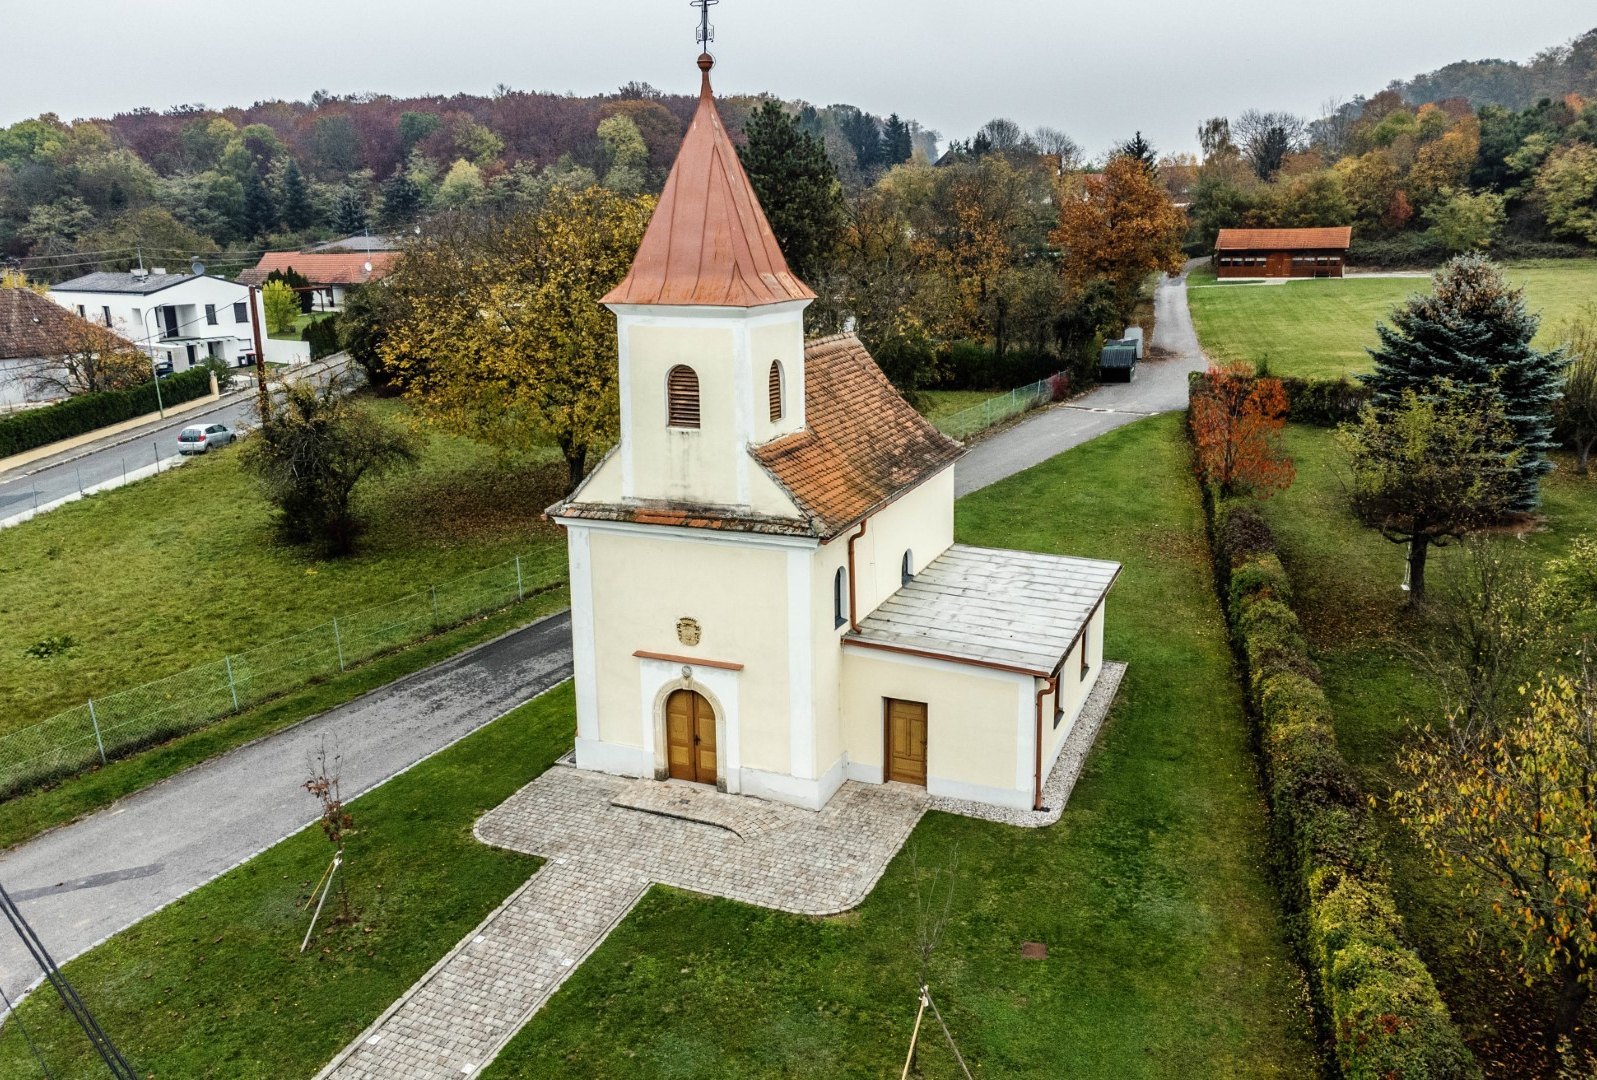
215	986
1347	583
182	568
1166	953
936	404
1321	328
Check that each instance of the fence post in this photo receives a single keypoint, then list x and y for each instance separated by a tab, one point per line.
338	642
95	720
232	688
520	593
434	590
157	447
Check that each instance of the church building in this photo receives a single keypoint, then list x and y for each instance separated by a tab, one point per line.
766	595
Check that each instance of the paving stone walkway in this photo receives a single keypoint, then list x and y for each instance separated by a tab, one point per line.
606	839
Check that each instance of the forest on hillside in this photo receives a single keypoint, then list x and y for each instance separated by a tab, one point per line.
96	194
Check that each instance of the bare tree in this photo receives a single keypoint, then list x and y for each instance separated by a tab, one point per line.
88	360
1214	138
1055	143
1267	138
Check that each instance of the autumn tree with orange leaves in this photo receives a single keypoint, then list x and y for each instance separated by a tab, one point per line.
1236	420
1118	224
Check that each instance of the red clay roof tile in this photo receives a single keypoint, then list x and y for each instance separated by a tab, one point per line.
323	268
1340	236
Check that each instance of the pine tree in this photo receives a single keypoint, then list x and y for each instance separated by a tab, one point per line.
1474	332
1141	149
349	213
401	200
297	211
260	213
897	144
797	187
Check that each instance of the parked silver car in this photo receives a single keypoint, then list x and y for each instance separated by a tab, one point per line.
198	438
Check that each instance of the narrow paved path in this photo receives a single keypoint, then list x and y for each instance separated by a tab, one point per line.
1160	386
82	883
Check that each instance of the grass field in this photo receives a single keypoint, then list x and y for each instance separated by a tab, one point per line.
182	568
1346	580
936	404
1166	953
300	323
1321	328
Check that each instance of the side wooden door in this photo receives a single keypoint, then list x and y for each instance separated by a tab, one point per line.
690	737
906	741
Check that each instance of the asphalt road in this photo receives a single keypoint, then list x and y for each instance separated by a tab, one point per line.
1160	386
82	883
48	479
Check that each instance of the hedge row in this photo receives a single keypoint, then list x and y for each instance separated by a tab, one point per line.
33	428
1381	1009
1324	402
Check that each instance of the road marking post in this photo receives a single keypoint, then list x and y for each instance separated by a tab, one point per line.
95	720
157	447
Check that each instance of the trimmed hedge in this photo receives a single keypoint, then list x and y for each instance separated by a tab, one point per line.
1322	402
80	415
1376	998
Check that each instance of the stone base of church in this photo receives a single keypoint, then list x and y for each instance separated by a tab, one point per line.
597	756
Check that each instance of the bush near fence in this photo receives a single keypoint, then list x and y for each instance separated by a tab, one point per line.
995	410
33	428
1373	993
1321	402
113	726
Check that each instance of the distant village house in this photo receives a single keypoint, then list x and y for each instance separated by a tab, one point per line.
1282	253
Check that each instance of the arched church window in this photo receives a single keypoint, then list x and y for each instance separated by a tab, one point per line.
682	397
776	390
839	597
907	570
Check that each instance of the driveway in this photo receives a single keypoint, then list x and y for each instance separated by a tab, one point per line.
82	883
1160	386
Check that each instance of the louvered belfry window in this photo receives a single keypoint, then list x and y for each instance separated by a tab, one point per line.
682	397
776	390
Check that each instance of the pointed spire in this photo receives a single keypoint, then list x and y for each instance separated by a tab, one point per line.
709	243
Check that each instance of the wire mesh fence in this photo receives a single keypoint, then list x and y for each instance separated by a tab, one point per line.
115	725
995	410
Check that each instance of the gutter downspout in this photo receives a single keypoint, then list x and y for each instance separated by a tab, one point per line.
1050	685
853	606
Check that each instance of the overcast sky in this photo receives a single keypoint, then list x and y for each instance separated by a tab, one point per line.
1099	70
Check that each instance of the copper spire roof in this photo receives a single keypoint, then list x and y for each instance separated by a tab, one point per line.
708	242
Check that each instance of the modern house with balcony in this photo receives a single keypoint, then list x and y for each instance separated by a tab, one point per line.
179	319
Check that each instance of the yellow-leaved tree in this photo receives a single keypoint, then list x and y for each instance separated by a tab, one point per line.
499	333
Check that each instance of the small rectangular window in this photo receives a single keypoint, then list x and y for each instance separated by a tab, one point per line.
241	312
82	314
105	312
210	314
1085	668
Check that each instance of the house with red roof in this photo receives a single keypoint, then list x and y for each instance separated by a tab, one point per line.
766	596
1282	253
330	273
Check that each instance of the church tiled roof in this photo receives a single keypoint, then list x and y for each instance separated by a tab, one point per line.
862	445
708	242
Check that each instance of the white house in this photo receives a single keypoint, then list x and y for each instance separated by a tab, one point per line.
765	591
34	334
179	319
331	274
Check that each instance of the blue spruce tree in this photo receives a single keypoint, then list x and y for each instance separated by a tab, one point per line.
1473	331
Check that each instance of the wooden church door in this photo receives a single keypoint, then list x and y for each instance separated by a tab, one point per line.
906	742
690	737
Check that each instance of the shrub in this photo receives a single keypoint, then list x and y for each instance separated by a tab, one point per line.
1377	1001
1326	402
322	335
84	413
1405	251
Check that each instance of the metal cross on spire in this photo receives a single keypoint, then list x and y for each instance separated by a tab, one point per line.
706	32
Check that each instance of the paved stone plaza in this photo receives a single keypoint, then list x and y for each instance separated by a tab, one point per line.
607	839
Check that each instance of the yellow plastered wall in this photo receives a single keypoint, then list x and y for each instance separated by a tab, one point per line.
784	343
921	521
1073	689
973	718
696	466
738	594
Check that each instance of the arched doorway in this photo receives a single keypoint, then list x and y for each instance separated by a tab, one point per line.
690	737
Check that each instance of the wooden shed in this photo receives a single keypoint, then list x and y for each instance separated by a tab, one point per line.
1282	253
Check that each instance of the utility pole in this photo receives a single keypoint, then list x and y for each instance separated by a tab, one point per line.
263	397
